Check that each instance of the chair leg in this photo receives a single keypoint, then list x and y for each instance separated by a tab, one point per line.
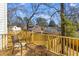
12	50
21	50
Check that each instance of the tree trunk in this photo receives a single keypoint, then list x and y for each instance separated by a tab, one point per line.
62	25
28	25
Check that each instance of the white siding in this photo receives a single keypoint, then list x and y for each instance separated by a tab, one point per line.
3	22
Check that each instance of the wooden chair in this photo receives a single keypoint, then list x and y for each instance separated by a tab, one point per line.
16	44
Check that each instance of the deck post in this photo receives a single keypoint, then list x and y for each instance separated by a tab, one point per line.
62	45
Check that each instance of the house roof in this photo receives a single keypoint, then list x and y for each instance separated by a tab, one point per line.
51	30
36	28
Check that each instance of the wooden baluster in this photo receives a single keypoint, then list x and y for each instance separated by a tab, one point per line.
77	47
61	44
70	46
67	45
6	41
57	44
73	47
2	41
64	44
48	43
54	45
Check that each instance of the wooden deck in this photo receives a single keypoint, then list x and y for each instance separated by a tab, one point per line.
30	51
54	43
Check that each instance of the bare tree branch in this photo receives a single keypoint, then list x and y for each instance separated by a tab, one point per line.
34	12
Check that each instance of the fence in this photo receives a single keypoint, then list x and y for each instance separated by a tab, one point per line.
70	46
57	44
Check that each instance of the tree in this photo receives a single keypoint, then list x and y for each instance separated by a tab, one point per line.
62	19
62	25
19	22
77	26
52	23
70	28
12	12
41	22
72	13
67	26
24	22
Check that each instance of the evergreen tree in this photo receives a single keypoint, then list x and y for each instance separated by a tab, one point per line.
42	22
52	23
70	28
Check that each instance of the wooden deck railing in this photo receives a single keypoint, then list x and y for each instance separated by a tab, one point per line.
53	43
3	41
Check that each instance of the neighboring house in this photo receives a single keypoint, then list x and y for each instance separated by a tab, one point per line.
52	30
11	28
36	28
24	27
15	28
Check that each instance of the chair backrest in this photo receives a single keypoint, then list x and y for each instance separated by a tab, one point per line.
15	39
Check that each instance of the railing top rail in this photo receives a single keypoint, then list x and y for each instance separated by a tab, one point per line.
57	36
64	37
47	34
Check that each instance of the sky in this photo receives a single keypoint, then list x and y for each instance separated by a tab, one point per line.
46	11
